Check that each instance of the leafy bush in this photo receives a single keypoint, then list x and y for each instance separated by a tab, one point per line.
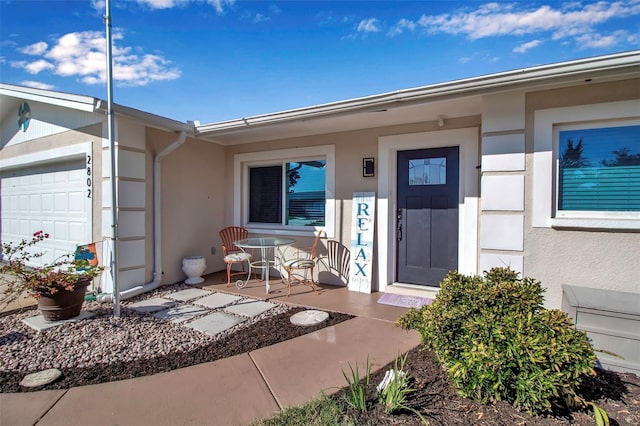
498	342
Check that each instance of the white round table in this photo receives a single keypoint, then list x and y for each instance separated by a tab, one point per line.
267	246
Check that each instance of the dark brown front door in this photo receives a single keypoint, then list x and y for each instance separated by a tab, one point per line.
427	215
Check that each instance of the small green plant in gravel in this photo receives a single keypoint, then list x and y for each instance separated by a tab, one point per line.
498	342
356	392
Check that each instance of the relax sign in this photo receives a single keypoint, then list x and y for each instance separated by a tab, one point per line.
362	225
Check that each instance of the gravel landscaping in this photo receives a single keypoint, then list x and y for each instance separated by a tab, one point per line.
104	348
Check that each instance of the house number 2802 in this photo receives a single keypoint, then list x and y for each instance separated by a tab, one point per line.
89	180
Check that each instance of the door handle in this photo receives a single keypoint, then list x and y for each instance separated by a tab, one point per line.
399	228
399	232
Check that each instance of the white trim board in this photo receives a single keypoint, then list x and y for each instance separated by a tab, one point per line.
47	156
468	140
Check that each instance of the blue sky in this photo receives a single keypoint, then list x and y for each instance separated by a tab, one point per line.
213	60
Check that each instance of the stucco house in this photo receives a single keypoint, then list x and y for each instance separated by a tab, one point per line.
537	169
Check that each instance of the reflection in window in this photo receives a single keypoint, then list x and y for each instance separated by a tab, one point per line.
428	171
302	197
599	169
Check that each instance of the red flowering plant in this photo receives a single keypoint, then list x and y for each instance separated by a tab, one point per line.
19	275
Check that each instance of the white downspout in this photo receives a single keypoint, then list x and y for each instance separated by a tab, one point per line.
157	227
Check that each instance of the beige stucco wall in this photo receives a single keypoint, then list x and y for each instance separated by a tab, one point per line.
587	258
193	203
350	148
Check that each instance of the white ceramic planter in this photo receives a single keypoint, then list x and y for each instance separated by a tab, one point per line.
194	267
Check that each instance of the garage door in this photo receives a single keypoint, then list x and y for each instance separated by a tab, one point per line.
53	198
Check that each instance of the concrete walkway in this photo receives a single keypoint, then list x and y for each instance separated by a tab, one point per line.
236	390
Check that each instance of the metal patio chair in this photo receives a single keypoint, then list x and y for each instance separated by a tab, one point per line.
297	262
232	254
339	259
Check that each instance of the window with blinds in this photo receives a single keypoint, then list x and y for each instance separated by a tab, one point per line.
295	188
599	169
265	194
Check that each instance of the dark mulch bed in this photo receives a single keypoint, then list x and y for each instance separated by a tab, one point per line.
266	332
435	399
618	394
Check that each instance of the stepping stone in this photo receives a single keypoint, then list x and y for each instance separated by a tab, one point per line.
152	305
38	322
250	308
214	323
181	313
309	317
41	378
188	294
217	300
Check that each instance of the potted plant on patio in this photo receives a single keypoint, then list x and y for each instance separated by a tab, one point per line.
59	287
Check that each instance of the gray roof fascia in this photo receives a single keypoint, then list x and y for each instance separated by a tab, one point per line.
534	76
91	104
67	100
150	119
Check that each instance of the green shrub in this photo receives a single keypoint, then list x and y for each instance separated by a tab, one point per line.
356	392
498	342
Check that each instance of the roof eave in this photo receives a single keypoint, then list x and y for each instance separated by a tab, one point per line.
94	105
150	119
67	100
527	77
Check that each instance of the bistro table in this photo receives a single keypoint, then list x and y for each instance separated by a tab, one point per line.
267	246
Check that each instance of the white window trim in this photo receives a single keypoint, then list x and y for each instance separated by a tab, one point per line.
241	163
467	140
544	165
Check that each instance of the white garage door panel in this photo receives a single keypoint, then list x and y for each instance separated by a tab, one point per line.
52	198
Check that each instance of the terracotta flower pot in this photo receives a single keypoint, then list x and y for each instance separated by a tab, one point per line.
64	304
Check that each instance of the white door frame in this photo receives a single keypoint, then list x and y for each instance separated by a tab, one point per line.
388	146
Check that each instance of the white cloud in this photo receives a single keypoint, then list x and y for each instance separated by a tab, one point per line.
161	4
37	85
141	71
499	19
370	25
33	67
219	5
401	26
34	49
480	56
595	40
526	46
8	43
259	17
274	9
36	67
99	5
83	55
